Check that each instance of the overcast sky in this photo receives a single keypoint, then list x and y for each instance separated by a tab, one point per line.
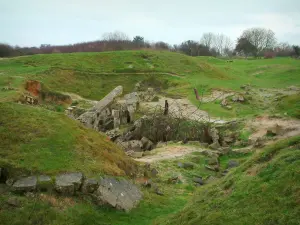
56	22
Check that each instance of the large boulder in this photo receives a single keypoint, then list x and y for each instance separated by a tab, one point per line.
134	145
120	194
68	183
147	144
25	184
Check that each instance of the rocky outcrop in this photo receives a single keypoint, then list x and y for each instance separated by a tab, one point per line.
99	116
120	194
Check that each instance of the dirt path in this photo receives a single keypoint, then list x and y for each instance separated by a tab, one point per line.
169	152
132	73
76	97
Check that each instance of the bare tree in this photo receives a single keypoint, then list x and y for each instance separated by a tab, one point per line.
261	38
115	36
207	39
221	43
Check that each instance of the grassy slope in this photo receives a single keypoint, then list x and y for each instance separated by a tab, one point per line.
35	139
263	190
260	73
92	75
151	210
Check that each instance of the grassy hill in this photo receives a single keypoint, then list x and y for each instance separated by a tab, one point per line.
93	75
36	140
263	190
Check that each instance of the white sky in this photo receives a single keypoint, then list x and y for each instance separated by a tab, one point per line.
36	22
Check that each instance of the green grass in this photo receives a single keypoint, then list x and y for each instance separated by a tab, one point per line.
38	140
290	105
263	190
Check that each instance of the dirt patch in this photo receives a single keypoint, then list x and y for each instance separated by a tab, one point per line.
58	202
261	125
33	87
169	152
253	171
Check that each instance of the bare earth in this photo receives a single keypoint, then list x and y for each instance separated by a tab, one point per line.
169	152
291	127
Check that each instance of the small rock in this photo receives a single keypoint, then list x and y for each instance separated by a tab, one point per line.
238	98
198	180
158	191
212	168
224	102
229	107
224	173
13	201
214	146
228	139
174	179
9	182
188	165
213	161
147	166
234	99
180	165
154	172
241	98
147	183
232	163
136	155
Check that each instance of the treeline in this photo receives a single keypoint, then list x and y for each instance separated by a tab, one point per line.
252	42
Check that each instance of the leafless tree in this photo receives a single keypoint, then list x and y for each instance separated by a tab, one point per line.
261	38
207	39
221	43
115	36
